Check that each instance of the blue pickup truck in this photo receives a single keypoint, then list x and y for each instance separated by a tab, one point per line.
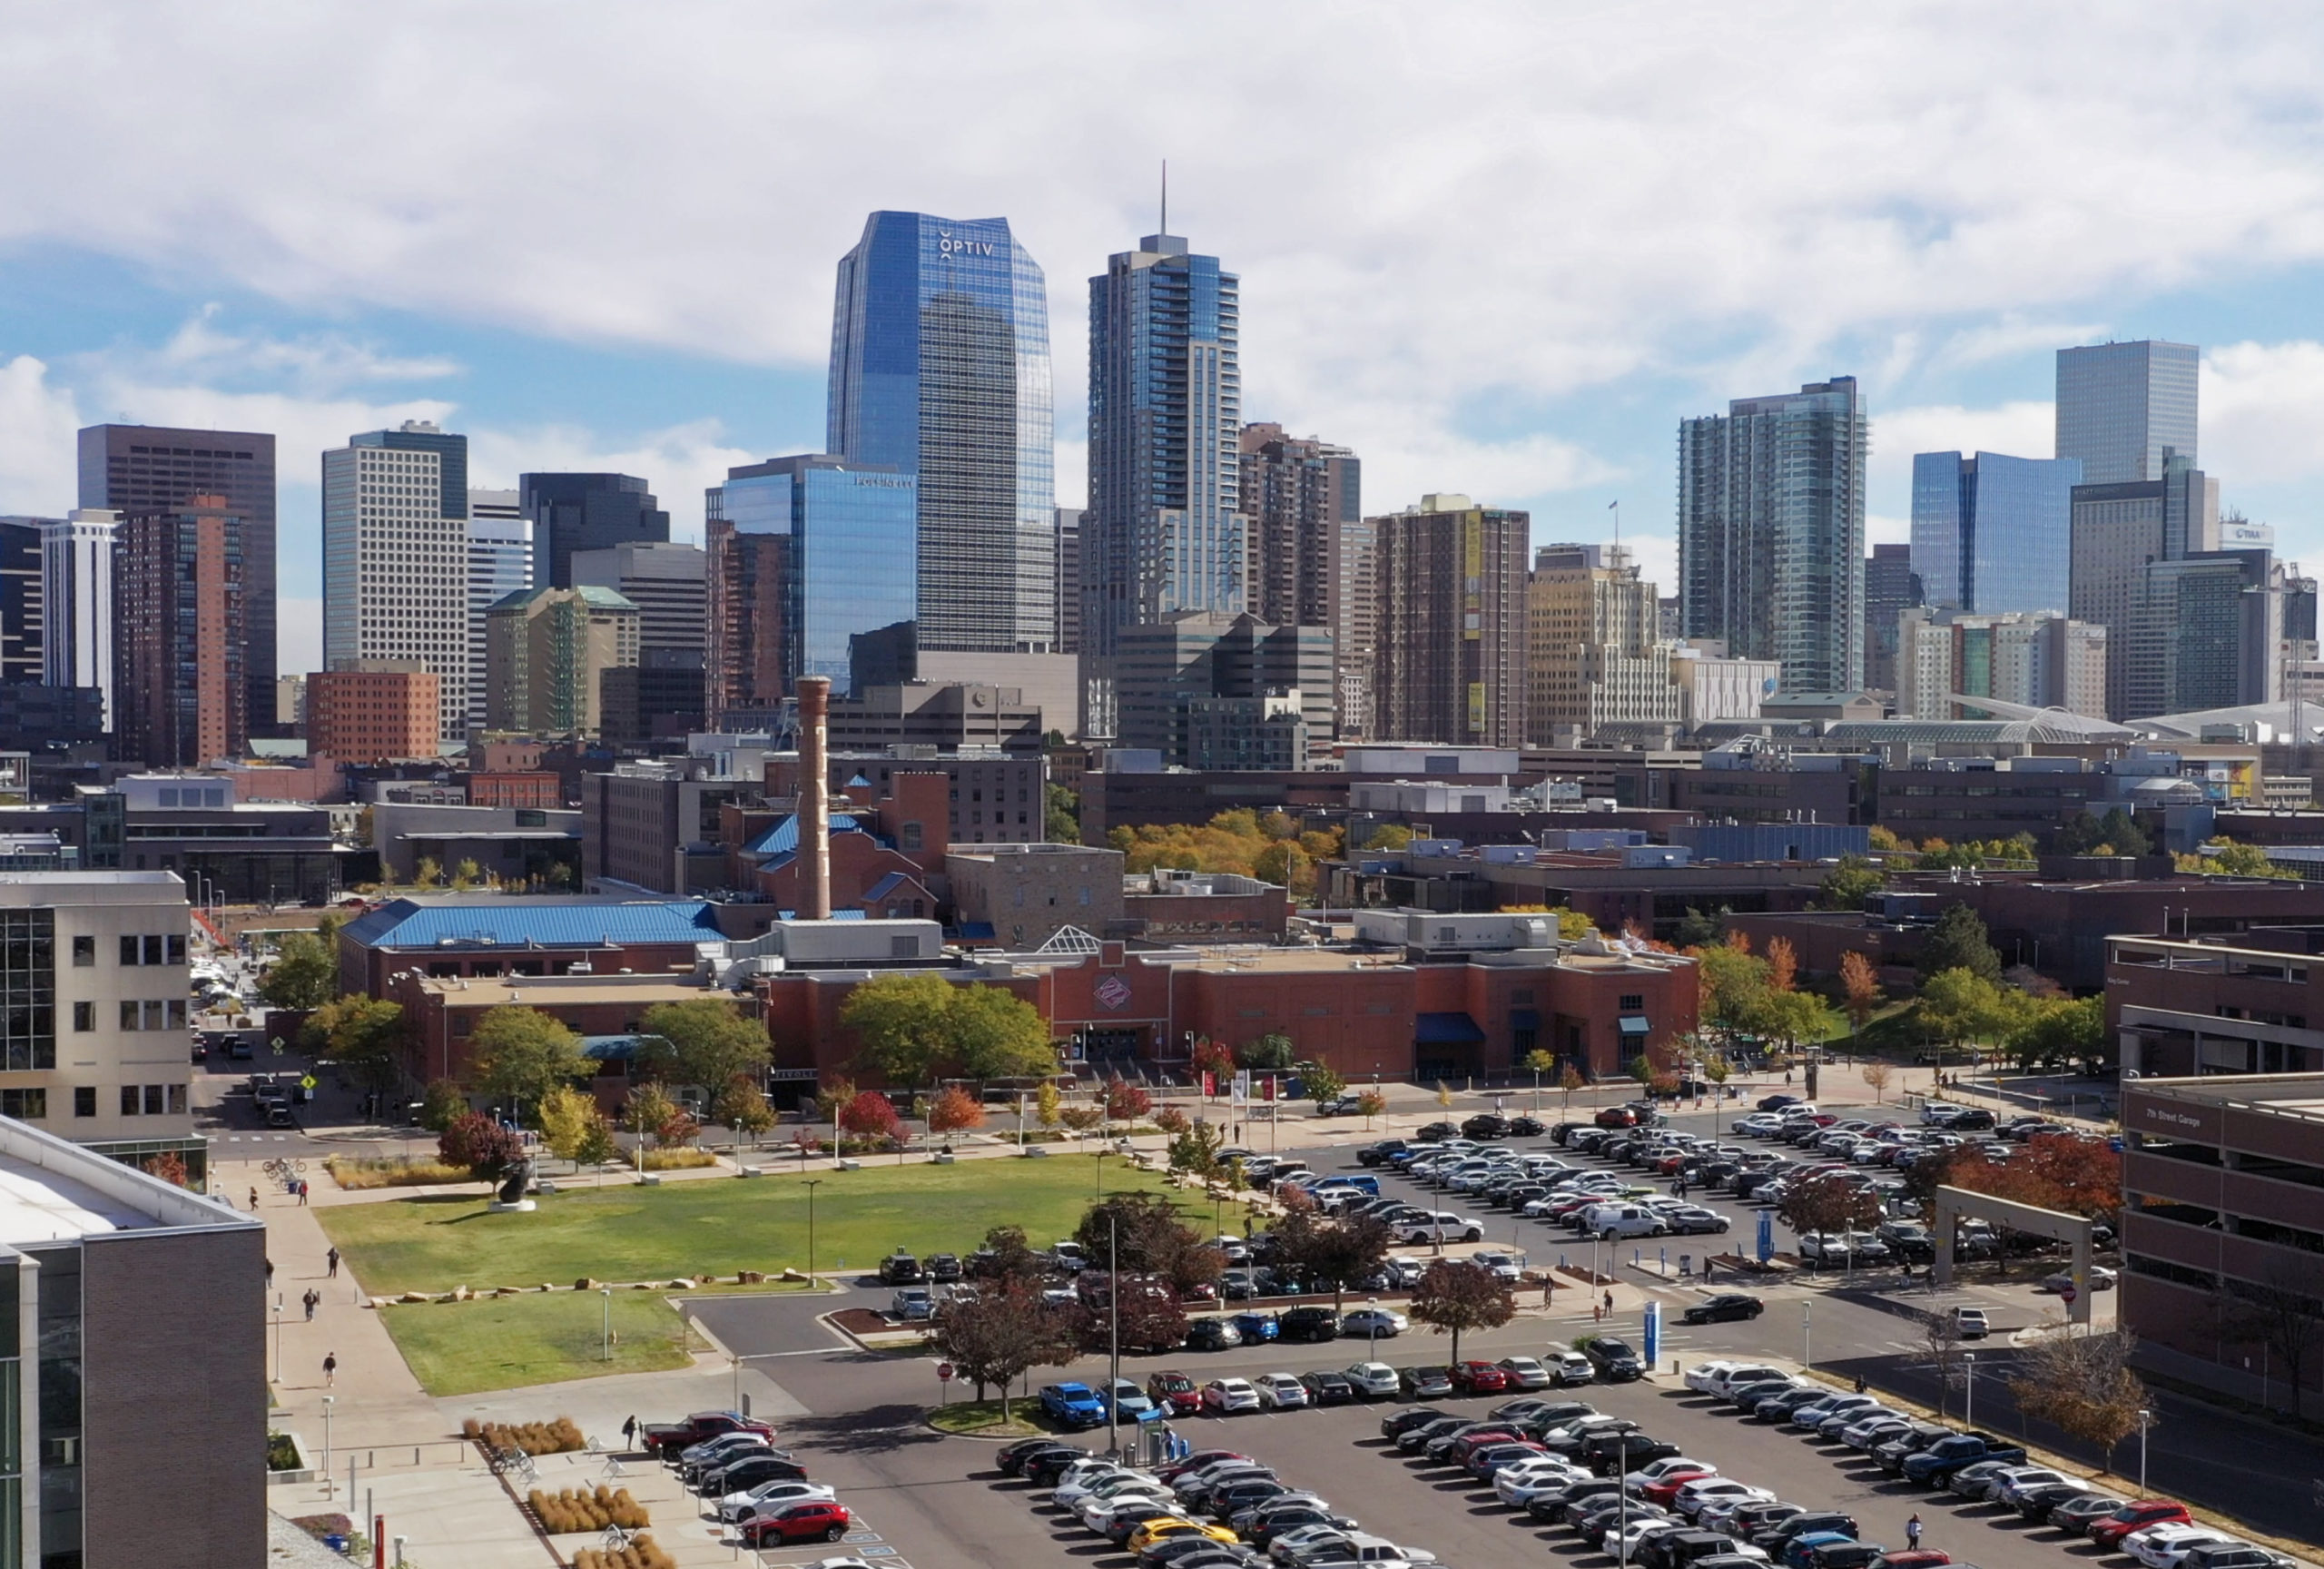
1934	1466
1073	1405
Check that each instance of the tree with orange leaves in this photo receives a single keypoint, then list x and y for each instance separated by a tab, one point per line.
1861	984
1783	964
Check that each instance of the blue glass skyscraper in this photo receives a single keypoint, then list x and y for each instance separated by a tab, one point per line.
851	566
941	373
1993	534
1166	410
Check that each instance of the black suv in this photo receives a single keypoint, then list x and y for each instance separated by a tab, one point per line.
901	1269
1485	1125
1615	1361
1310	1324
1377	1154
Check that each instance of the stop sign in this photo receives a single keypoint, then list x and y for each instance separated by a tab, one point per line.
2066	1295
944	1372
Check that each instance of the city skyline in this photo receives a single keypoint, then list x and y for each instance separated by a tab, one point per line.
1541	371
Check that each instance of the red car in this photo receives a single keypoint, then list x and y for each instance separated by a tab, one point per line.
1175	1392
2108	1530
1479	1378
1665	1488
800	1522
1468	1443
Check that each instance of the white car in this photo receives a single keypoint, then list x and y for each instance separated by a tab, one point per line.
1695	1496
1366	1322
1570	1367
1622	1220
770	1495
1081	1482
1442	1226
1518	1486
1227	1396
1701	1377
1280	1391
1507	1267
1740	1374
1622	1547
2101	1279
1373	1380
2163	1546
1097	1513
1654	1471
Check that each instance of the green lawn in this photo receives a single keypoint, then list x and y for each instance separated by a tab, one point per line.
503	1342
435	1242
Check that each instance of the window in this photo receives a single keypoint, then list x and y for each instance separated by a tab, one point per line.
27	989
85	1017
85	1100
156	1014
154	1100
129	950
154	949
130	1101
177	1099
1633	1001
130	1016
28	1105
177	950
84	951
911	837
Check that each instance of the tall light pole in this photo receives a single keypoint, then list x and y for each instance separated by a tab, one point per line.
2145	1417
1807	1340
278	1336
1114	1290
606	1342
328	1401
1969	1400
813	1183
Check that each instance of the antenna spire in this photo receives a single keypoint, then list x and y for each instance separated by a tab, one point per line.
1165	195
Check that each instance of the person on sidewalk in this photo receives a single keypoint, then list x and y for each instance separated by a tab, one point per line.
314	1299
1609	1304
253	1200
302	1192
269	1272
331	1258
629	1434
1913	1532
331	1369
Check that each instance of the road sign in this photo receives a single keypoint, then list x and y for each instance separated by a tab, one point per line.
944	1371
2066	1295
308	1082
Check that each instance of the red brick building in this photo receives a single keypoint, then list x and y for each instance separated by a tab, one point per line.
440	1015
374	714
544	791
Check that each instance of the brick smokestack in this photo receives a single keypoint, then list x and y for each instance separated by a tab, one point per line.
815	796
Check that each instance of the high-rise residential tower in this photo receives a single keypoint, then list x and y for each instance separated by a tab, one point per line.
1993	535
939	378
1166	406
849	568
78	562
2120	405
396	558
1891	587
1450	661
1771	532
179	609
22	634
546	652
1070	547
136	469
1309	551
572	512
500	563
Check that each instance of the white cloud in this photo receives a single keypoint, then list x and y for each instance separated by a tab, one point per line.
682	462
2264	411
38	470
2024	430
321	362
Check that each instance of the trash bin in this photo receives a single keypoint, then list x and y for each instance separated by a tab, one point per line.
1685	1265
337	1544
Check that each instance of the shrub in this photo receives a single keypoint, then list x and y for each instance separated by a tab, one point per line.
480	1144
1170	1119
562	1514
678	1160
282	1454
557	1437
641	1553
357	1172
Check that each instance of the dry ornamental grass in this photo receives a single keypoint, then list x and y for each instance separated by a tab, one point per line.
641	1553
561	1513
557	1437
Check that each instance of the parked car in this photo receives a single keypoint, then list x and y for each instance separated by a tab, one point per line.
1175	1391
817	1519
1433	1382
1325	1388
1072	1404
1310	1324
900	1268
2109	1529
1936	1466
1279	1391
1371	1323
1225	1396
671	1439
1212	1335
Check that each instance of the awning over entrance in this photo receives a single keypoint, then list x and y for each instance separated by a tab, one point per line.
1635	1024
1446	1030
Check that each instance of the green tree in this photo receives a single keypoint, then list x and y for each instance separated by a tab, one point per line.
1642	1068
1959	1004
2229	859
993	1033
1269	1051
703	1041
364	1036
743	1106
1733	983
442	1101
1323	1085
572	1128
427	873
650	1110
1388	836
1848	885
904	1020
1195	1151
1697	930
305	972
1790	1017
1046	1108
1957	941
1286	865
1061	817
520	1054
2056	1030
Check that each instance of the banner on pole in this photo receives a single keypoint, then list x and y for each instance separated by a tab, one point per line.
1651	1333
1766	1243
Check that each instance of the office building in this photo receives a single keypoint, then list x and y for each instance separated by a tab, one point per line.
545	650
374	711
2122	407
2217	629
78	560
1070	545
181	610
939	375
1993	534
1891	587
1310	551
1713	687
1166	399
1594	651
1227	692
1449	665
747	574
1771	532
571	512
848	567
137	1326
659	698
500	563
2033	661
668	583
943	717
136	469
22	637
395	558
2117	530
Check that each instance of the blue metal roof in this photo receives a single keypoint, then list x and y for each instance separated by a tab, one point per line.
783	837
501	923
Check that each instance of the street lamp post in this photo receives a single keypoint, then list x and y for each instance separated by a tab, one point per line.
278	1336
812	1184
328	1401
605	1341
1969	1399
1807	1340
2145	1417
1371	1330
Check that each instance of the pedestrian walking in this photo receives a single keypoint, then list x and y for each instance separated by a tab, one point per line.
302	1192
253	1198
330	1370
331	1258
311	1299
1609	1304
629	1434
1682	1187
1913	1531
269	1272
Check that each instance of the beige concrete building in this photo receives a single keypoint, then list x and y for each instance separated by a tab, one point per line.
2033	660
1026	893
545	651
1594	653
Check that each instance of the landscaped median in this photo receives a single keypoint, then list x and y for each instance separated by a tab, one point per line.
524	1321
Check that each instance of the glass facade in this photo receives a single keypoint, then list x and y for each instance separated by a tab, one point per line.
940	373
1993	534
2120	406
1166	409
60	1408
27	990
852	566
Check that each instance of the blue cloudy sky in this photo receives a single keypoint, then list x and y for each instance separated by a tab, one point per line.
1498	248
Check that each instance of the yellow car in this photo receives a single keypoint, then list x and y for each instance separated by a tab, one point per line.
1162	1528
